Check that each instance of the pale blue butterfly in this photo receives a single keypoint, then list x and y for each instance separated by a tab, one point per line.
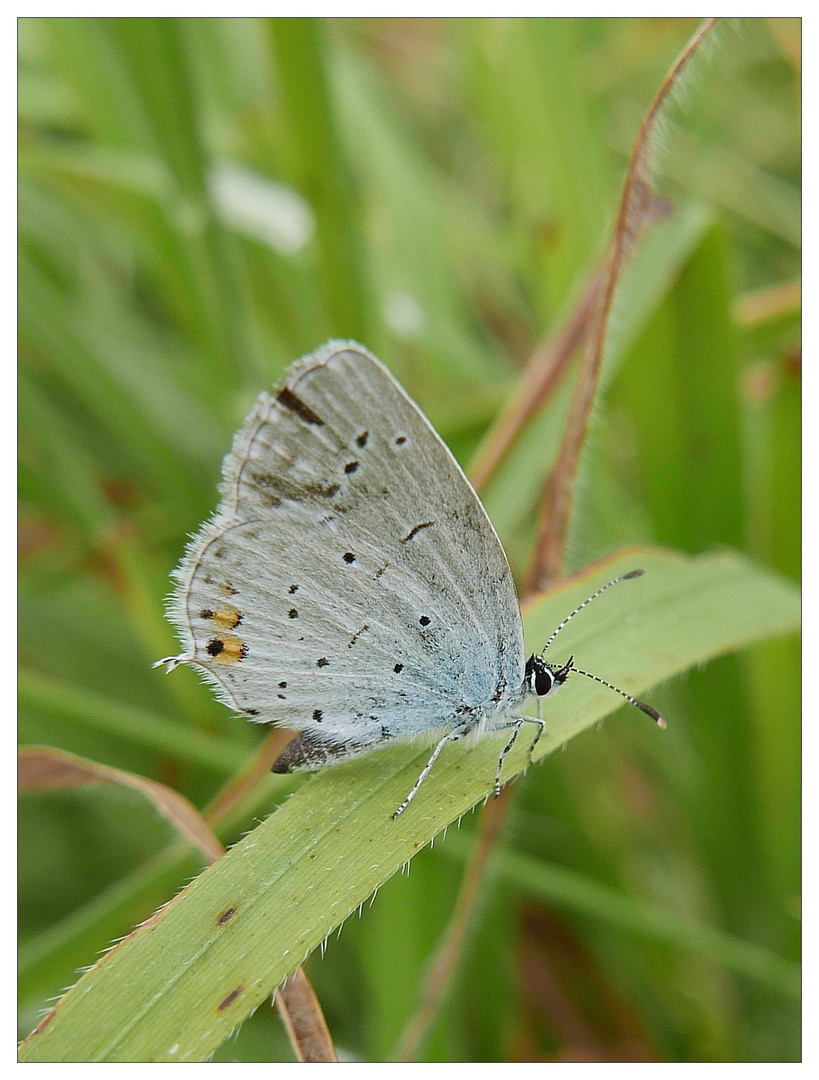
350	585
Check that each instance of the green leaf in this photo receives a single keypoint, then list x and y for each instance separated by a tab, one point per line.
177	987
321	172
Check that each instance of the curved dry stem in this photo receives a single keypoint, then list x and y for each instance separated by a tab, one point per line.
302	1017
637	210
247	778
42	768
588	324
540	379
448	950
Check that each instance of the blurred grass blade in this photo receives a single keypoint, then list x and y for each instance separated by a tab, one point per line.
689	356
176	992
565	888
441	967
320	171
137	725
41	768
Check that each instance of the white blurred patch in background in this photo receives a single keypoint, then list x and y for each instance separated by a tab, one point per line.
262	209
403	313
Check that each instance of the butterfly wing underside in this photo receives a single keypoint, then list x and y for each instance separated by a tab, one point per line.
350	585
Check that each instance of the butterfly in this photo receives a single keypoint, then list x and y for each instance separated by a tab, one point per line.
351	586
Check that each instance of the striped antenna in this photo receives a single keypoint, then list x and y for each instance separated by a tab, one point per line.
624	577
649	710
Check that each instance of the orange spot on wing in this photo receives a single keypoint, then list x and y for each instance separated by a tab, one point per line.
226	649
228	618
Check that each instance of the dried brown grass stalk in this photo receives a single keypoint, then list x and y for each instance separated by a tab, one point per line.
635	213
246	779
302	1017
447	951
542	376
588	323
44	768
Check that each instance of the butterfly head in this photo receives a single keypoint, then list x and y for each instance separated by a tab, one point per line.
542	678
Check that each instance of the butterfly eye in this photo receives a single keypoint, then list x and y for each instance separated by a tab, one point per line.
544	681
539	677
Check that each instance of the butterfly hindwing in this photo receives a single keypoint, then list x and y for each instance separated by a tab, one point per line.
350	584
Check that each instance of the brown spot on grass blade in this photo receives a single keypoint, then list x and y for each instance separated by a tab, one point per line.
226	916
304	1020
228	1001
41	768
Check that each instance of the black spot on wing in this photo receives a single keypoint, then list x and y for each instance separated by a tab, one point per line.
293	402
418	528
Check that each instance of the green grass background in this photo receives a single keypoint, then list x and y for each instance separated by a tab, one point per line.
202	201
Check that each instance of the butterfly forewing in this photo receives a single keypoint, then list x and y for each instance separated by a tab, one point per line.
351	583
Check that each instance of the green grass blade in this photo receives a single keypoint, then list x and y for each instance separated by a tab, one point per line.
321	172
178	987
582	895
120	721
578	893
57	953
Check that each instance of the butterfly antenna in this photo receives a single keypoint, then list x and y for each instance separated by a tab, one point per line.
649	710
623	577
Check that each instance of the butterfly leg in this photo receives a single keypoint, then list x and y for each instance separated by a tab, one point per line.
517	723
541	727
517	726
451	736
